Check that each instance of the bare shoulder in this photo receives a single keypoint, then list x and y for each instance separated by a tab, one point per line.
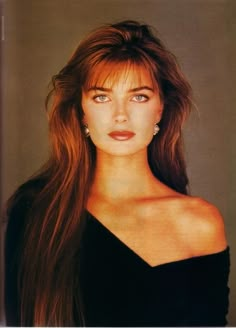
202	225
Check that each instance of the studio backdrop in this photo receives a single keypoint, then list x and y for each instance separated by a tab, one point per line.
38	37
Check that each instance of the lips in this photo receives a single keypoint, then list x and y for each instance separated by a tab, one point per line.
121	135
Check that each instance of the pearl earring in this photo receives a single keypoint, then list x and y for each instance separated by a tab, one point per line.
86	130
156	129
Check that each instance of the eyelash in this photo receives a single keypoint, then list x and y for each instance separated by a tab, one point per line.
96	98
144	98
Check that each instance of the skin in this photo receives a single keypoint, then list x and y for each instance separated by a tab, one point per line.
154	221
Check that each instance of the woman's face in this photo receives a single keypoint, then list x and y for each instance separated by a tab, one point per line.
121	112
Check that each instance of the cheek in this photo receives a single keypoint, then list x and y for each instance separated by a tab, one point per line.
97	121
89	115
147	118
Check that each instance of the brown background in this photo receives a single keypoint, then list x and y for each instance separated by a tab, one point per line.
39	37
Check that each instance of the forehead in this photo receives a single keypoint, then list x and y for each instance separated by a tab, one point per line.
108	75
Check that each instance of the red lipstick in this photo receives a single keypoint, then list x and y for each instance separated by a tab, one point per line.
121	135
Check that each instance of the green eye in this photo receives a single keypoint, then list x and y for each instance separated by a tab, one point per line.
101	98
140	98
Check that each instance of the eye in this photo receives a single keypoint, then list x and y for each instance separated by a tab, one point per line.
140	98
101	98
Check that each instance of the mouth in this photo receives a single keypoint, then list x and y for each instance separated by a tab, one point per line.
121	135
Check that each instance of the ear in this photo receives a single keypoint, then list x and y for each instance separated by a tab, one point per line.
84	120
160	112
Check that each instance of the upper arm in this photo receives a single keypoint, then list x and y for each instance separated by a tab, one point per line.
11	263
17	210
207	234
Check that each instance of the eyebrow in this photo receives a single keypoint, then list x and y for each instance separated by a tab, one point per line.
145	87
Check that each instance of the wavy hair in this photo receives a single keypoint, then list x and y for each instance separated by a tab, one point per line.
49	262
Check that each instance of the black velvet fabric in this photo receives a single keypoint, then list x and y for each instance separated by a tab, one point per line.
121	289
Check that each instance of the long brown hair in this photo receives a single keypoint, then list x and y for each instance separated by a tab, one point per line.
54	223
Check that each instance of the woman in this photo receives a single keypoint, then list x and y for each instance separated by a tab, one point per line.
105	234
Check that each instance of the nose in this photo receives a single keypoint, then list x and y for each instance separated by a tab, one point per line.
120	113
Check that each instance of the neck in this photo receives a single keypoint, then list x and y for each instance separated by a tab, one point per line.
123	177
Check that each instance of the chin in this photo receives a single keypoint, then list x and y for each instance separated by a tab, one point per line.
123	151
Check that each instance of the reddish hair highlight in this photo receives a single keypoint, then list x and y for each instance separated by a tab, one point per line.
55	219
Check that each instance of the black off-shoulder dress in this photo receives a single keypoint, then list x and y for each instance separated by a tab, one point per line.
121	289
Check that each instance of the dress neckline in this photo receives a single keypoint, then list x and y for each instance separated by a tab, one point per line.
143	261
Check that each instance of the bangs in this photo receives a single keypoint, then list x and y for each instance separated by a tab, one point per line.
107	72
